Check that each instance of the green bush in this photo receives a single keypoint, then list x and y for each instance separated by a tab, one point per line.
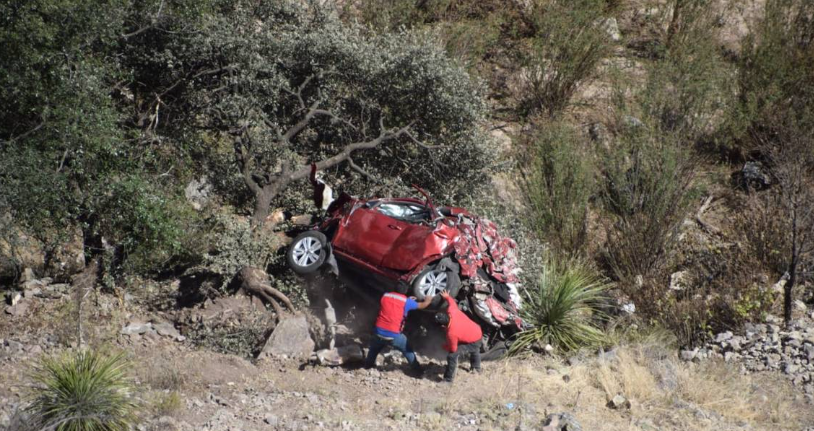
567	47
85	391
563	308
775	83
646	193
559	183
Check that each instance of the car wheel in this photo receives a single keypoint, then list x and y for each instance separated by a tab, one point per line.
432	281
307	252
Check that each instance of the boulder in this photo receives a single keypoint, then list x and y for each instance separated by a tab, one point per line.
166	329
18	309
619	402
198	192
291	338
136	328
340	355
560	422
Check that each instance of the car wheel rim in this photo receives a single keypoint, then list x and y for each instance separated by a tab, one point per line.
433	283
307	251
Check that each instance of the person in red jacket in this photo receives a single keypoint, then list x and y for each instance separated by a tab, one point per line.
463	337
389	324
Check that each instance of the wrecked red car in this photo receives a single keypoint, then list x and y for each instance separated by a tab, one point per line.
426	249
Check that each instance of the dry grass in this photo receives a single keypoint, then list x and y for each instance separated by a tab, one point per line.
664	392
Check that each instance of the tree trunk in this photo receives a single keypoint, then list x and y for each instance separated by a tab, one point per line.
787	306
262	207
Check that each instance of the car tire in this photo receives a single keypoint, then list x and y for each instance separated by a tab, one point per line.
307	252
449	279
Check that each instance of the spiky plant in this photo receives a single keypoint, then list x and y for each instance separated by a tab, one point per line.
562	308
85	391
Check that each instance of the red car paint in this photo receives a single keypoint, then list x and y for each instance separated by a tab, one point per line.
399	249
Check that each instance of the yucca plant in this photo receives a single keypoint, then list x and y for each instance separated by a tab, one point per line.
562	308
85	391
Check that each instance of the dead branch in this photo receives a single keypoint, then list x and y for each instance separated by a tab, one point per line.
704	225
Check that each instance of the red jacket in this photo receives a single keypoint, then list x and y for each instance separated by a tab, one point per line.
394	308
461	329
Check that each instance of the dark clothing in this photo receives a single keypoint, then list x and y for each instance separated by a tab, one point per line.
472	349
461	329
399	342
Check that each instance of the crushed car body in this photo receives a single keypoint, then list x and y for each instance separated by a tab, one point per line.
409	241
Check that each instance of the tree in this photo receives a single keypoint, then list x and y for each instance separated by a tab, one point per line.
792	161
290	86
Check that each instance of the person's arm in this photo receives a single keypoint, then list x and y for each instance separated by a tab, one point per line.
451	304
425	302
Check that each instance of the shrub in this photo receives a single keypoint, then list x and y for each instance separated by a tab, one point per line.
568	45
646	192
85	391
562	308
559	183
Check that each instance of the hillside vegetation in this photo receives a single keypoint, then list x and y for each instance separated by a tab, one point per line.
653	159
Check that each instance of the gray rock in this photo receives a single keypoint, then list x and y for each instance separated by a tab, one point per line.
560	422
18	309
724	336
679	280
340	355
198	193
611	27
271	419
28	275
136	328
12	298
754	175
291	337
619	402
30	293
167	330
14	346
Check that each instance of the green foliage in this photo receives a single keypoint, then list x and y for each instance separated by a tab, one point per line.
646	191
775	83
167	404
568	45
562	307
84	391
234	245
559	184
689	88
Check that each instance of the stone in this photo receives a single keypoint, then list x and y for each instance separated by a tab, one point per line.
198	192
340	355
619	402
611	27
679	280
302	220
27	275
560	422
167	330
30	293
271	419
12	298
724	336
291	337
18	309
753	175
136	328
14	346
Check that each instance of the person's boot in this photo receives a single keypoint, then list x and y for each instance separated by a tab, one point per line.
416	370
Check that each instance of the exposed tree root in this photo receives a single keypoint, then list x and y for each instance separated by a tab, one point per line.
254	281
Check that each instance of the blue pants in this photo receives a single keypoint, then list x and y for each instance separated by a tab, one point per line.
399	343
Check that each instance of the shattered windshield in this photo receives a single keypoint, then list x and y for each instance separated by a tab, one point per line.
402	211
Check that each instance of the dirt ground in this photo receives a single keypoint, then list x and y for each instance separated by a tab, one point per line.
183	387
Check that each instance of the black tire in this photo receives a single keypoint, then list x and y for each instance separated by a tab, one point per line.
304	256
452	280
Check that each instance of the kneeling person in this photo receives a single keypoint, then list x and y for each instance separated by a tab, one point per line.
463	337
389	324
